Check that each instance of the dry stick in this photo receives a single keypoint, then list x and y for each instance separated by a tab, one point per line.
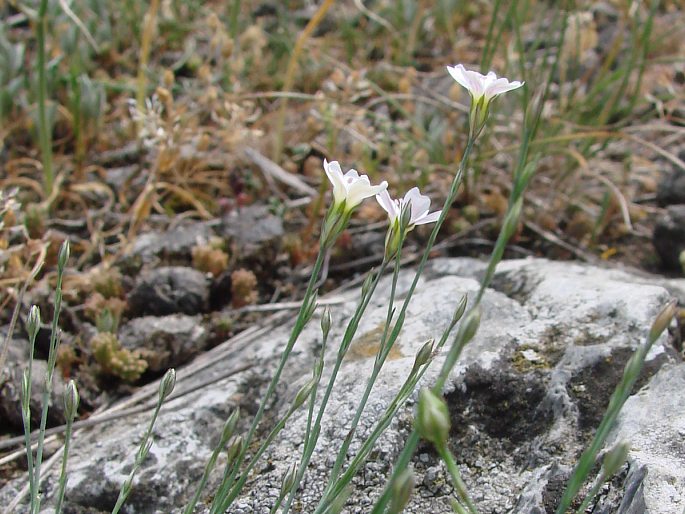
290	72
273	170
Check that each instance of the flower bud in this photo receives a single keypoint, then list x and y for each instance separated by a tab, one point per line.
33	322
366	285
166	385
63	256
230	425
25	390
432	418
461	308
405	216
614	459
424	355
326	321
303	393
402	489
393	240
235	446
469	325
71	400
289	479
144	450
663	320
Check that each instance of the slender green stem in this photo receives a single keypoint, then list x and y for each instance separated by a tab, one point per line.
143	450
63	472
310	444
225	436
44	130
383	351
402	463
47	390
591	494
237	487
631	373
26	418
226	485
457	481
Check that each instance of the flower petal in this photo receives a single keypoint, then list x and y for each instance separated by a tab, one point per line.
429	218
458	74
387	204
362	189
419	203
335	175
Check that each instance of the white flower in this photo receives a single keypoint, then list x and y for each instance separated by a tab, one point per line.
419	207
478	85
350	188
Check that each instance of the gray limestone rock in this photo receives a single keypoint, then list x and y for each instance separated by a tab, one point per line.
166	341
524	401
169	290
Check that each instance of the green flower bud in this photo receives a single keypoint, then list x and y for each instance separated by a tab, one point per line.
402	489
166	385
33	322
424	355
71	400
614	459
663	320
63	256
303	393
469	325
405	216
461	308
230	425
235	446
432	418
288	479
326	321
393	240
25	390
366	285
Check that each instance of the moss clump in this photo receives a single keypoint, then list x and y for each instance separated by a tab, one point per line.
117	361
210	258
243	288
108	283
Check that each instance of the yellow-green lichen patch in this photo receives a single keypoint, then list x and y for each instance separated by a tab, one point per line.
527	358
366	345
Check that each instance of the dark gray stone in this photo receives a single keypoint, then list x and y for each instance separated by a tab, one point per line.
171	247
253	233
10	390
669	236
169	290
166	341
